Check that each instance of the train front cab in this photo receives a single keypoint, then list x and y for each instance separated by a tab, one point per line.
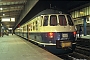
61	34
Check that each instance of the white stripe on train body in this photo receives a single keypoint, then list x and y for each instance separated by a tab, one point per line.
52	30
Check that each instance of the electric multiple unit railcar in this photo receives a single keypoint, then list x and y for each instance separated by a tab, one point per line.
51	29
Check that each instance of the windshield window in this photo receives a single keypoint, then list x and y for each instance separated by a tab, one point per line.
70	22
62	20
53	20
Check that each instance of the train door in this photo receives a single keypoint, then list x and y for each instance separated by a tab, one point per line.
28	32
29	29
23	32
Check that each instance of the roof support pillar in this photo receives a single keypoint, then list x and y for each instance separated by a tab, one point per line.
0	27
84	24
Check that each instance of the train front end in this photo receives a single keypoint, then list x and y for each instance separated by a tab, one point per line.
61	34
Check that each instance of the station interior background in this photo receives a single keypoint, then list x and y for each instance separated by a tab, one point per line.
20	11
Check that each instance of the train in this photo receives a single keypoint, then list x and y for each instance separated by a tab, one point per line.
51	29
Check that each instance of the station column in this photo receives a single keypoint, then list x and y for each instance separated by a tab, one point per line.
0	27
84	24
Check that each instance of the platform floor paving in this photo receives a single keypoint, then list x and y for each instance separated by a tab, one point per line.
13	47
86	37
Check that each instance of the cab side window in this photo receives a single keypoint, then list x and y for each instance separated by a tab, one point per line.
45	22
70	22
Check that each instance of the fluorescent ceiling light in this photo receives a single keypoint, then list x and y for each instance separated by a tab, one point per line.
1	9
8	19
10	28
12	19
3	14
5	19
81	13
18	28
1	24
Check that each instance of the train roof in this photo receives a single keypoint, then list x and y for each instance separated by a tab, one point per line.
48	11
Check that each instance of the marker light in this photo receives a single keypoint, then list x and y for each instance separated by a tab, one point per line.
74	32
51	34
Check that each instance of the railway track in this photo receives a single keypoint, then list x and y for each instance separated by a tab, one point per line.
83	50
74	56
84	46
83	42
80	53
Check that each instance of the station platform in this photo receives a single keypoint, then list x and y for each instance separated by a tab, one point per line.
13	47
85	37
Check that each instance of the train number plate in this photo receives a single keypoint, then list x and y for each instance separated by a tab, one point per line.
64	35
63	44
